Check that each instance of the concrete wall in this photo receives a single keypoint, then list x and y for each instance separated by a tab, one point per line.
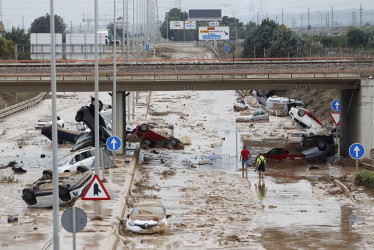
357	117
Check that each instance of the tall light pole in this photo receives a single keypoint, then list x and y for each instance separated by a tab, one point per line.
56	205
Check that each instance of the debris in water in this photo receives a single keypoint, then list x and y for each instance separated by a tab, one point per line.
12	219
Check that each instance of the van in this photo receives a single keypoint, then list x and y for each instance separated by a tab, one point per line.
280	106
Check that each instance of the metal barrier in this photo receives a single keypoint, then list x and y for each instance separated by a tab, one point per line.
20	107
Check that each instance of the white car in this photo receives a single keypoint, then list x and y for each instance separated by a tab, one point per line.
147	218
258	115
282	105
240	104
70	162
307	120
46	121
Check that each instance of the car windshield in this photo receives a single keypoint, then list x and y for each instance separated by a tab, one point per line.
144	211
46	118
64	160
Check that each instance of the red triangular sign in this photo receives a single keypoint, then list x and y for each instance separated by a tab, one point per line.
335	117
96	190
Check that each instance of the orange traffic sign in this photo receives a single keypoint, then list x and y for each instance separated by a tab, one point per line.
96	190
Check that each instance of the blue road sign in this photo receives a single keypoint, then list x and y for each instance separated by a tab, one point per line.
147	47
356	151
113	143
212	37
227	48
336	105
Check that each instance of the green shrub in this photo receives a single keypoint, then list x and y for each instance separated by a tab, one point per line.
366	179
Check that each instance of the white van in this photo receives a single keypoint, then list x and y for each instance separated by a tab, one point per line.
280	106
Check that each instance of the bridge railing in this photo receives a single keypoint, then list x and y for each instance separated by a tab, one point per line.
191	66
20	107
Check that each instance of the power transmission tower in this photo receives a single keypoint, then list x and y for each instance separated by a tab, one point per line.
282	17
361	14
354	18
302	21
332	16
308	18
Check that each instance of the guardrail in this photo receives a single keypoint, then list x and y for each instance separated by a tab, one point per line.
20	107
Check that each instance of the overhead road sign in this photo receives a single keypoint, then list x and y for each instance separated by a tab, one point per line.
190	25
335	116
356	151
176	25
114	143
205	15
336	105
214	33
96	190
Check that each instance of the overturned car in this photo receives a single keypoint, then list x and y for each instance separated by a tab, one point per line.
70	186
154	139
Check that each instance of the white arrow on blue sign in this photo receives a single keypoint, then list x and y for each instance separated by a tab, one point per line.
147	47
113	143
356	151
227	48
336	105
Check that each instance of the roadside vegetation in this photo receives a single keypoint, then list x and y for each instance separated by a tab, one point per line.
365	179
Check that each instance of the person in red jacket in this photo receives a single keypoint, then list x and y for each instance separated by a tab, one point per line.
244	157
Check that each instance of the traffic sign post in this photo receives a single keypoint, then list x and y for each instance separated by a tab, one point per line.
113	143
96	190
74	220
356	151
147	47
336	105
227	49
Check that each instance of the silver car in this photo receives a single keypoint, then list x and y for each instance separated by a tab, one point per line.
258	115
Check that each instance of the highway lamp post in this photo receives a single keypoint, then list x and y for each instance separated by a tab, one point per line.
56	208
114	93
97	142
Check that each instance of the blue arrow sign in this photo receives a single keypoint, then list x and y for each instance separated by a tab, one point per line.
113	143
356	151
147	47
227	48
336	105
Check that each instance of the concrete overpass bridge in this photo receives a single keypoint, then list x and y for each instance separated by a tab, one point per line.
353	76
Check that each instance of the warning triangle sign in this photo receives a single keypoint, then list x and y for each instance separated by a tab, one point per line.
335	117
96	190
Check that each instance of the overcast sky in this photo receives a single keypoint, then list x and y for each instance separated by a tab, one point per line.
14	11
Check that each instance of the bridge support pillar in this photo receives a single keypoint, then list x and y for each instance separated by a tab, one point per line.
357	117
121	119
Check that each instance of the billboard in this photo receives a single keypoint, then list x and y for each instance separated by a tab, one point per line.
214	33
176	25
205	15
190	25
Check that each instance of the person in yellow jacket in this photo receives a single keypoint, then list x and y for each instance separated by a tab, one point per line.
260	165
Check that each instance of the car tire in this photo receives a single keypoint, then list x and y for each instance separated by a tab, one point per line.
47	173
173	142
63	193
143	128
82	169
50	128
252	120
301	112
63	125
28	195
322	145
246	108
79	116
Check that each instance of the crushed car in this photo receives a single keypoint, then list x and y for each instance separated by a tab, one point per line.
281	106
154	139
63	135
148	218
307	120
258	115
47	121
240	105
71	185
261	95
282	155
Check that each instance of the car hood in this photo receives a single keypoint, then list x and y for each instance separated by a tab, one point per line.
315	152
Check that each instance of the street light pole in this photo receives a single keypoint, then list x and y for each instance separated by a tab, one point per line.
56	205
